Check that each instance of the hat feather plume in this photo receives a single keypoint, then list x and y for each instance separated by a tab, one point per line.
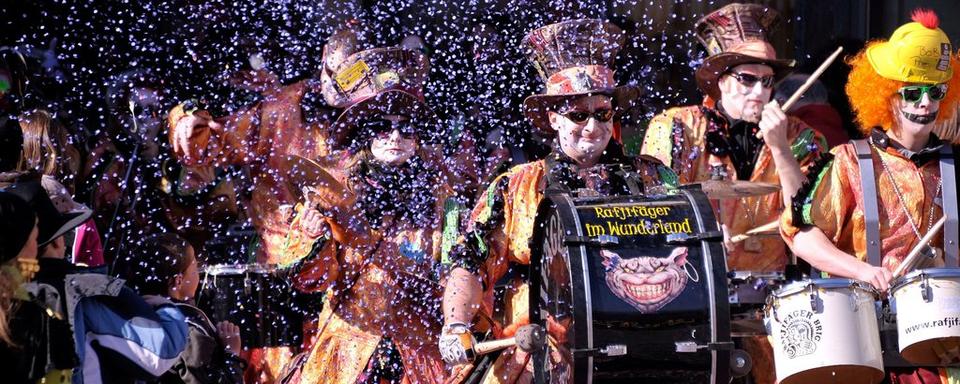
927	17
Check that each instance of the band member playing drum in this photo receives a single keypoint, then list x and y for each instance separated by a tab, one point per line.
376	234
738	133
579	109
900	89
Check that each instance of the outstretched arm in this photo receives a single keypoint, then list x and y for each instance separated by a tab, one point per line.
812	245
461	297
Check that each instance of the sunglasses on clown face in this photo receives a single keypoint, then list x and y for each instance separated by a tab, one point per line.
380	127
581	117
749	80
914	93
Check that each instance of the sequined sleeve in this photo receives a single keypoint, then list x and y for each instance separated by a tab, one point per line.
486	222
659	138
824	201
231	144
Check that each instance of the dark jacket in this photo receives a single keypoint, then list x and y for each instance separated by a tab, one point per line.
204	360
43	343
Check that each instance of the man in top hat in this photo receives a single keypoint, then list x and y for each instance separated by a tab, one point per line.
386	206
868	203
575	60
739	134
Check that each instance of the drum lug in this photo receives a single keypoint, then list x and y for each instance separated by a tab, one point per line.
601	240
685	238
693	347
925	288
609	350
814	299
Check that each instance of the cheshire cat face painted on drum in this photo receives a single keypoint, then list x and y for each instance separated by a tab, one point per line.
646	283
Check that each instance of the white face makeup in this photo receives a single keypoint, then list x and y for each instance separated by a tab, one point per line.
584	140
745	97
396	145
916	117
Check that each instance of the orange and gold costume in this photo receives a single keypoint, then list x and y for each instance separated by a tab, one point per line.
502	224
381	285
261	137
833	201
679	138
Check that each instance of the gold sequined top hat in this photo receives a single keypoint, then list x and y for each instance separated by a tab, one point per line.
574	58
372	81
733	35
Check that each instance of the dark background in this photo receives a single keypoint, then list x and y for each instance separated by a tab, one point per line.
478	74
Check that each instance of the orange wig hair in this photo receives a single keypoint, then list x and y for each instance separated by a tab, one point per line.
871	95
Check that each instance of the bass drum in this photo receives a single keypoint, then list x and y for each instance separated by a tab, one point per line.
631	289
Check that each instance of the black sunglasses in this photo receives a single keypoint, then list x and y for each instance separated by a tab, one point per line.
581	117
384	127
749	80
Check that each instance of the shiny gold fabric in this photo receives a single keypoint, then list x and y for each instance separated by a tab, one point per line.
836	205
739	215
374	289
261	137
510	243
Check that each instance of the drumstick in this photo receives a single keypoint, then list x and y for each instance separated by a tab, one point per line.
813	77
806	85
748	234
528	338
915	252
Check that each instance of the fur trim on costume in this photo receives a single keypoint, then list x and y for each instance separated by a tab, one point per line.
801	201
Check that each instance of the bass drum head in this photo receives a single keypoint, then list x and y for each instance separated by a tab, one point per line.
640	294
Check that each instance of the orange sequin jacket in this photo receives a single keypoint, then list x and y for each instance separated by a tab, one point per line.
832	200
261	137
380	281
681	138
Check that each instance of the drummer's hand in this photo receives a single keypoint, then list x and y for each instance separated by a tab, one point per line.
313	223
773	126
878	277
454	347
230	336
727	244
187	127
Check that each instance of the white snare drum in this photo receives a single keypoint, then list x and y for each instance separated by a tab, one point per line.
825	331
927	303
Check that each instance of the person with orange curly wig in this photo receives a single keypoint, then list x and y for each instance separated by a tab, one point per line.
900	89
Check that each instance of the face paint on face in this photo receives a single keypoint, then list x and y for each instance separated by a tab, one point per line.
745	101
646	283
916	116
394	145
583	141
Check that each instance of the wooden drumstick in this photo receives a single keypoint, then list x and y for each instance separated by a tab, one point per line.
528	338
753	232
813	77
806	85
914	254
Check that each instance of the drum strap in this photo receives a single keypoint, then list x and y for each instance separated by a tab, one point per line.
631	178
951	228
871	212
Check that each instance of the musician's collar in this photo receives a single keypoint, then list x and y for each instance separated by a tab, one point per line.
929	152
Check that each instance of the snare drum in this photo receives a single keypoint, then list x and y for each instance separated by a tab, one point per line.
927	303
825	331
630	289
257	298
